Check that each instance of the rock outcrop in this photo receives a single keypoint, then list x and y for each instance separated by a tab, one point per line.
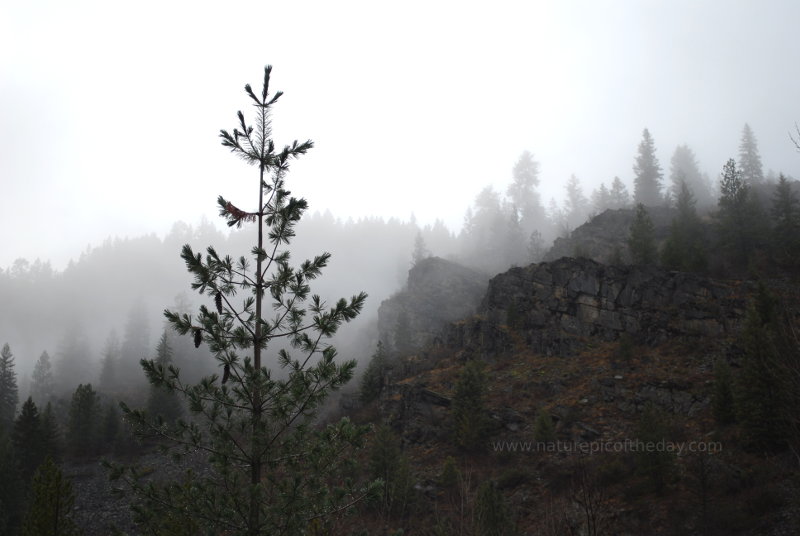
606	235
556	306
437	292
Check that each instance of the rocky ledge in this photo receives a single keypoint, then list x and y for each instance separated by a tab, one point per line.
557	306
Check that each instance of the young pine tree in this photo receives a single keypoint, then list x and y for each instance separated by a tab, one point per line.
388	463
52	504
641	241
654	461
272	469
469	407
544	431
8	390
28	440
421	251
761	391
372	380
492	515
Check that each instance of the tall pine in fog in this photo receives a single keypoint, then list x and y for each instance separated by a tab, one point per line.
469	425
762	392
618	196
28	439
523	195
52	504
737	216
749	158
576	206
8	389
42	380
684	249
647	173
83	425
272	470
684	169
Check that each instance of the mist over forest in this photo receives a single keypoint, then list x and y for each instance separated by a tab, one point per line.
519	268
117	290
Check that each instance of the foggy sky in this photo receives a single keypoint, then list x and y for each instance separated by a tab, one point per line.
109	113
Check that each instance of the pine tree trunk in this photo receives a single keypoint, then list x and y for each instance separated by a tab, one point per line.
255	469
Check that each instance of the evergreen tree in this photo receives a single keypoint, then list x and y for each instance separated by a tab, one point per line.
450	476
135	347
469	407
273	470
737	215
514	240
536	247
641	241
109	382
576	205
558	218
523	195
786	231
601	199
648	176
492	516
11	489
52	504
484	233
42	380
543	429
749	159
618	195
654	461
684	169
372	380
522	190
420	250
684	248
8	389
28	440
110	430
761	392
51	436
163	402
84	421
72	359
388	463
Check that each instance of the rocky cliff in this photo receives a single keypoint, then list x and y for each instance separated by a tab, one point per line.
555	307
437	292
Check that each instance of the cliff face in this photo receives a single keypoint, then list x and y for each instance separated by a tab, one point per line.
557	306
437	292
